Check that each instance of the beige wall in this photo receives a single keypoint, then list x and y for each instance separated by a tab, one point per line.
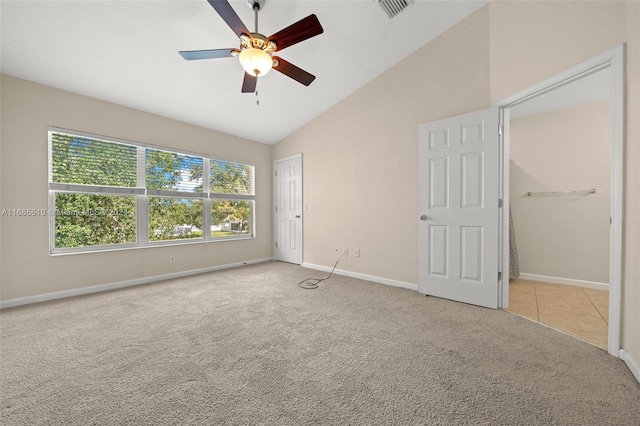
360	157
27	268
631	255
568	236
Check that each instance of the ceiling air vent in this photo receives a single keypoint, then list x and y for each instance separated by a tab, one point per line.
393	7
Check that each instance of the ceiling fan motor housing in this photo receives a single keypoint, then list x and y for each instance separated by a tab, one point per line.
257	41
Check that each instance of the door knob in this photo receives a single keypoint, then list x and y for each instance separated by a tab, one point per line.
297	216
423	217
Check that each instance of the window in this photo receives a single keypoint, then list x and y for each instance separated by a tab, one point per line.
232	205
174	186
93	191
106	194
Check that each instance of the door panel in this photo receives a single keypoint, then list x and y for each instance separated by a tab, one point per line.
439	253
458	199
471	253
472	179
289	210
439	182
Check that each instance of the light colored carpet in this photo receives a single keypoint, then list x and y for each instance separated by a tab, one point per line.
247	346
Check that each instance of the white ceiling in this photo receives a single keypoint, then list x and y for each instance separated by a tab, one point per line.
126	52
592	88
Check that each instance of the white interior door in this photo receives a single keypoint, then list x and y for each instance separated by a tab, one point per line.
289	209
459	214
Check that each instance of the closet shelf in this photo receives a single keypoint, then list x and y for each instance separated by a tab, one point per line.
561	193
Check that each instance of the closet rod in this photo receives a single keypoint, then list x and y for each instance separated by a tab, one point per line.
570	192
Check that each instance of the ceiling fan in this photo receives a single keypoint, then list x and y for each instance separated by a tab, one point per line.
256	50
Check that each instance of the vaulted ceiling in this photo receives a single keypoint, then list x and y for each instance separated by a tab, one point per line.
126	52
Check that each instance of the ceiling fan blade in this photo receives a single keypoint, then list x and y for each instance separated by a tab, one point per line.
295	33
191	55
249	83
290	70
229	16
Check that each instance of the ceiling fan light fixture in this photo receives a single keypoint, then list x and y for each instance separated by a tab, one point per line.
256	62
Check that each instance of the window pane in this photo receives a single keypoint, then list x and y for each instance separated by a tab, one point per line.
83	220
230	218
82	160
231	178
174	218
173	172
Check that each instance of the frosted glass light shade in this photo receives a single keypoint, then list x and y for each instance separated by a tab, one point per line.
256	62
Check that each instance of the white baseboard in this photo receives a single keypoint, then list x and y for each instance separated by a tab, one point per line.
631	363
564	281
112	286
365	277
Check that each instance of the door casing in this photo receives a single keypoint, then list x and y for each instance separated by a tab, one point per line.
613	58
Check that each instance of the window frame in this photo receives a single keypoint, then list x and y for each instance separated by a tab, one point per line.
165	193
142	194
224	196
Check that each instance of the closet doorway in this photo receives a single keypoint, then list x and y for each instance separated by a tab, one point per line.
562	163
559	187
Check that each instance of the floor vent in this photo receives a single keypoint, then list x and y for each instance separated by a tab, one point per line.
393	7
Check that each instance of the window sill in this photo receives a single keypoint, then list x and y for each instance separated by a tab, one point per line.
155	244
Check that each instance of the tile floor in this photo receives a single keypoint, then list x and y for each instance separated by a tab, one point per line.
581	312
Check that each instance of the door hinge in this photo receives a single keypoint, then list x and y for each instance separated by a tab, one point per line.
276	173
500	129
500	203
276	244
499	276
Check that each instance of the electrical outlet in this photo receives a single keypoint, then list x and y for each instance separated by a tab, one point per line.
172	259
346	251
356	252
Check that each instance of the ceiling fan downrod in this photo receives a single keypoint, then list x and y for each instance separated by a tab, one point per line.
256	9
